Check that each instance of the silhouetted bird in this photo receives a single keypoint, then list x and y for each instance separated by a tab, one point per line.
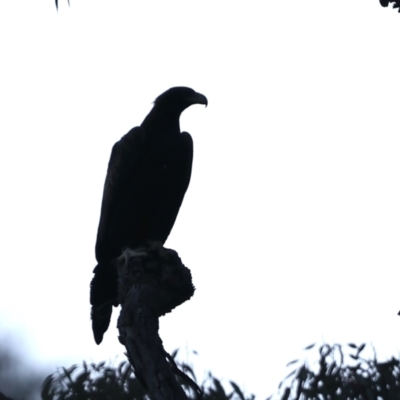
148	174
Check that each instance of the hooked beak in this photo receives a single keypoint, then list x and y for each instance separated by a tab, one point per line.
199	98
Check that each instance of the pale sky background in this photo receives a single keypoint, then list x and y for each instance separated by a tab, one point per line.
291	223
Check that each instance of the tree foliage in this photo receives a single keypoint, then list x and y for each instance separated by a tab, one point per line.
342	376
385	3
340	373
103	382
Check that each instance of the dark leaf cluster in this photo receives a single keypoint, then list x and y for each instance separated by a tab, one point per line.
102	382
334	378
385	3
93	382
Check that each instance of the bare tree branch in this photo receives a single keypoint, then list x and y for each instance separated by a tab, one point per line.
152	281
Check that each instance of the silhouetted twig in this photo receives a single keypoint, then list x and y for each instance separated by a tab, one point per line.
57	3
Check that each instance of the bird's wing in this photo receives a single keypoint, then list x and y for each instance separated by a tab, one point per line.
125	156
180	171
187	160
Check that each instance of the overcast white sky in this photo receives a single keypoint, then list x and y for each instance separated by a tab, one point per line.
291	224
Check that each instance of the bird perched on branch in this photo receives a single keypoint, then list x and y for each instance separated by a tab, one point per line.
148	174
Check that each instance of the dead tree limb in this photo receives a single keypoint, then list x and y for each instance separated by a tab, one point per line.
152	281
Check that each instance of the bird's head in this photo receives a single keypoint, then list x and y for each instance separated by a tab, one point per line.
179	98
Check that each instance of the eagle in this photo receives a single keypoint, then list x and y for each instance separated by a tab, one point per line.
147	178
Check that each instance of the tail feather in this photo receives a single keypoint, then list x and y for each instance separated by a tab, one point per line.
101	317
103	295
